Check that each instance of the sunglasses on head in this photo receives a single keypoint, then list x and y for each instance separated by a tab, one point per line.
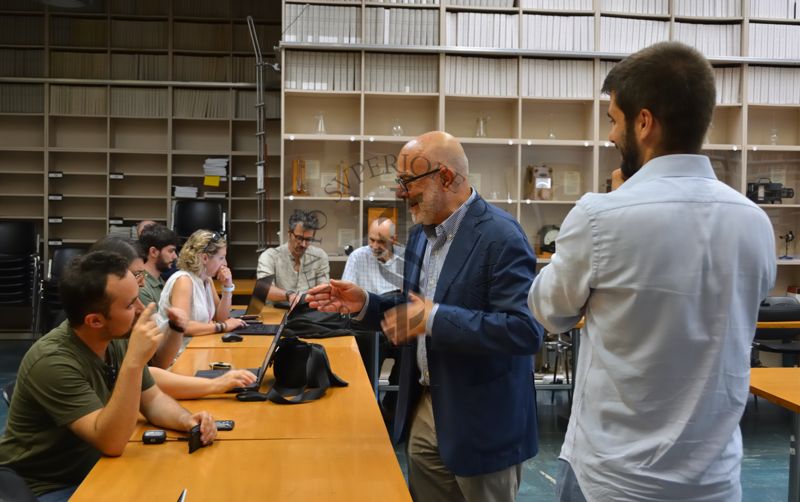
215	238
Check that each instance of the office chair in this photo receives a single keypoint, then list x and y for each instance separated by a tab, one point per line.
52	312
190	215
779	340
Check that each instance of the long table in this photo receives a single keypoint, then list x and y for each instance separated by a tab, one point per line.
336	448
782	387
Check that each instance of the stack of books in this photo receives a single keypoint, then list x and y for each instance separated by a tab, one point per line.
215	167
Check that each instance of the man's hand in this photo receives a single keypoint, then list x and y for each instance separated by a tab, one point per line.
178	317
408	320
337	296
225	276
233	379
145	338
617	179
208	428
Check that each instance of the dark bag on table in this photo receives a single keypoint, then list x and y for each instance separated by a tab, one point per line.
302	373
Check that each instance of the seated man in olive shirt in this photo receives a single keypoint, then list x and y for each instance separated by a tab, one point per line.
78	392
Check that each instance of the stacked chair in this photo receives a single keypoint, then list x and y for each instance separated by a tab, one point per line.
19	275
52	312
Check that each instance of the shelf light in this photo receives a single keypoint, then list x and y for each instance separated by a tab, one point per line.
352	138
755	148
291	197
352	199
527	201
371	198
607	144
586	143
291	137
529	142
372	138
510	142
734	148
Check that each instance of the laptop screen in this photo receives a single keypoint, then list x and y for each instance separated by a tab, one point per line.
259	296
273	347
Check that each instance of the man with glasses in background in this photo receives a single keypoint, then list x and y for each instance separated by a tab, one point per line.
296	265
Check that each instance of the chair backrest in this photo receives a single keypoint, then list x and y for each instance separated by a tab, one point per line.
61	258
778	308
191	215
18	238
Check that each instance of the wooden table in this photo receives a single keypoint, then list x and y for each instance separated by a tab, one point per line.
344	412
335	448
782	387
281	470
261	342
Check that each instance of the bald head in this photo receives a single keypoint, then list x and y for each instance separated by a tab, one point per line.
381	238
436	148
433	169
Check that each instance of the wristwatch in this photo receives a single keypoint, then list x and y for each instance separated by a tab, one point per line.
289	293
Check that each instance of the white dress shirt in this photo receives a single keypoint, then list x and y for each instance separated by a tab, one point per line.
372	274
668	270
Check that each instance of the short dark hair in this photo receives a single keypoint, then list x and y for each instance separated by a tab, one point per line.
676	83
157	236
83	284
308	219
127	248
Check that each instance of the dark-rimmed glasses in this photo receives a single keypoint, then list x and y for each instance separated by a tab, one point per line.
307	240
404	181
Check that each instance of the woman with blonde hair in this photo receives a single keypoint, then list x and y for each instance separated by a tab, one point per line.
202	259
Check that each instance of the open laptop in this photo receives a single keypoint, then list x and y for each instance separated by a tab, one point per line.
269	357
257	301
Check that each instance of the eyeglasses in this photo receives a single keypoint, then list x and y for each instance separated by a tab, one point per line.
215	238
139	274
404	181
307	240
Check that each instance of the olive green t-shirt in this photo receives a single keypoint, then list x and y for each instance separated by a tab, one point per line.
60	380
151	291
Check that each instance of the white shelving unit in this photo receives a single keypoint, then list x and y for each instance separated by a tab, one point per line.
539	97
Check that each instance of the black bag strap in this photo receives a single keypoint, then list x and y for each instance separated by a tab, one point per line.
319	378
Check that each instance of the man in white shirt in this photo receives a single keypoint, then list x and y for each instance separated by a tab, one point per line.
378	266
668	270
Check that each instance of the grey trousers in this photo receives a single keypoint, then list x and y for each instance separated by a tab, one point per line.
429	479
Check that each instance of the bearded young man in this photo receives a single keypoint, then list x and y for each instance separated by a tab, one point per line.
668	271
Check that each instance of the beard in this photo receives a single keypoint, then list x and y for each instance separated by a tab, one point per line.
629	150
162	265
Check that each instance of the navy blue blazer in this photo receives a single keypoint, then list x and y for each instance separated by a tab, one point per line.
479	352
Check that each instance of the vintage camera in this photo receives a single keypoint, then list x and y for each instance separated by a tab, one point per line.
764	191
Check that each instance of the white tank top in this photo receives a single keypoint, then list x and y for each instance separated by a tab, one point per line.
202	301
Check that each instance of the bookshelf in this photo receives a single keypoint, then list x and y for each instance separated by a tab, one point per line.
518	82
104	109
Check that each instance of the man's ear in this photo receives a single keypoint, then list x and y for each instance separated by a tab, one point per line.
94	320
645	123
153	252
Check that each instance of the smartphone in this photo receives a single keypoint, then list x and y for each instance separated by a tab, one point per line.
225	425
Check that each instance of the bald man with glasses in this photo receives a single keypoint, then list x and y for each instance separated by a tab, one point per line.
296	265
